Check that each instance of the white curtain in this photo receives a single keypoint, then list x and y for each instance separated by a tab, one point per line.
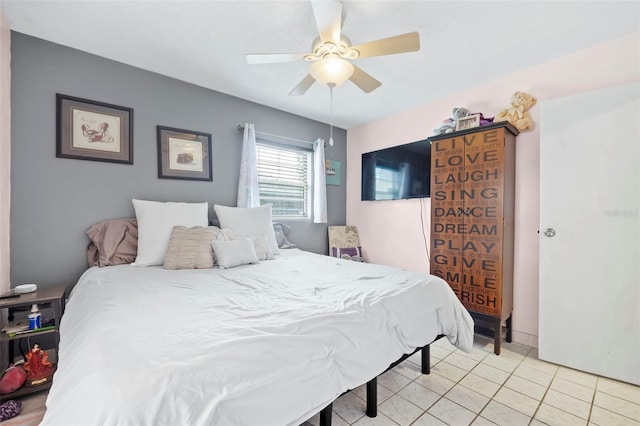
319	183
248	192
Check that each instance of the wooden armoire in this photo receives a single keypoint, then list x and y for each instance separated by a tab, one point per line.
472	220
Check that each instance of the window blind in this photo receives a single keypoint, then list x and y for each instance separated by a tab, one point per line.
284	180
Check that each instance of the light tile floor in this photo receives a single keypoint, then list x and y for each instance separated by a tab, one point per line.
480	388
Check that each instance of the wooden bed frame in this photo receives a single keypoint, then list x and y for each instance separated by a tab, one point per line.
372	385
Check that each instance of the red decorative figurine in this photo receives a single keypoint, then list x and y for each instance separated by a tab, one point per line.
39	368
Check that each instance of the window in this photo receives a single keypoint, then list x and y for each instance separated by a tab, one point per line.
387	183
284	179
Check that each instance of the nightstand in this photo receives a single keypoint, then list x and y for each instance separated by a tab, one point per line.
52	297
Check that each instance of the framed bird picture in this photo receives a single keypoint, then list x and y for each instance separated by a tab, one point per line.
96	131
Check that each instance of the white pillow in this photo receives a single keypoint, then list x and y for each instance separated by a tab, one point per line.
249	222
234	253
263	251
155	223
226	234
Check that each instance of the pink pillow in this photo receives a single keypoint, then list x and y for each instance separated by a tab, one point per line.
113	242
12	379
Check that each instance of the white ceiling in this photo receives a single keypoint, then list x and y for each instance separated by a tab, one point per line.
463	44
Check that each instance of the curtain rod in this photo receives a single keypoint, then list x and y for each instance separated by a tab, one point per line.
241	128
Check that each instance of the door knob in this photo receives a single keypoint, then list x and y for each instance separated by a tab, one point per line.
549	232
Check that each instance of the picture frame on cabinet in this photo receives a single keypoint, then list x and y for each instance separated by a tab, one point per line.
92	130
468	122
184	154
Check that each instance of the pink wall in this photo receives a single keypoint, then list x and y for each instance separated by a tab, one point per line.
5	150
391	232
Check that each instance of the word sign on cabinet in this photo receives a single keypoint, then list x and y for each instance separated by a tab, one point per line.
472	211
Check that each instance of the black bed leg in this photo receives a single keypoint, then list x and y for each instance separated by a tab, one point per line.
508	338
372	397
426	360
325	415
497	336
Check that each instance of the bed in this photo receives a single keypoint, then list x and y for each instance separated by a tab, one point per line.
268	343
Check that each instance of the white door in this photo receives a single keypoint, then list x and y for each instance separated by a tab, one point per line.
590	197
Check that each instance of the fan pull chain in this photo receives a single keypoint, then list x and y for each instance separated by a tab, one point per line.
331	86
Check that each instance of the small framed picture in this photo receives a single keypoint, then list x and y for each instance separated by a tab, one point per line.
333	172
184	154
91	130
468	122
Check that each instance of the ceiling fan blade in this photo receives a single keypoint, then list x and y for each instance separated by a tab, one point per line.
272	58
409	42
303	86
328	16
364	81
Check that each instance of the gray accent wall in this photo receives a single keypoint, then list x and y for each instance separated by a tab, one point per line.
54	200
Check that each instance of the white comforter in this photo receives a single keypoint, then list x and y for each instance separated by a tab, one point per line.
267	344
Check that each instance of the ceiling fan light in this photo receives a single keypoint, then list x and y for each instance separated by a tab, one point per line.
331	70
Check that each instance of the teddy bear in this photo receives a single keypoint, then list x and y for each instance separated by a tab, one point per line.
518	113
449	125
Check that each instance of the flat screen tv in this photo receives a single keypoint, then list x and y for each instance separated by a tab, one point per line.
397	173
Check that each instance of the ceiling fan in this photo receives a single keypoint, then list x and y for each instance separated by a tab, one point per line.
332	52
